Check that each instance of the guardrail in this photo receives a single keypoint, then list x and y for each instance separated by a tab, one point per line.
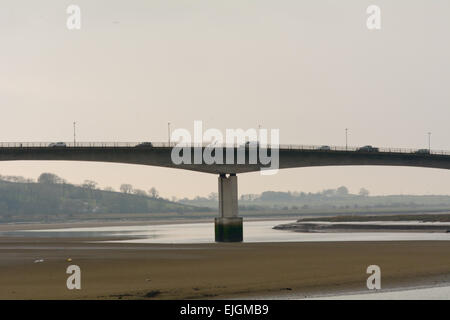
353	149
173	144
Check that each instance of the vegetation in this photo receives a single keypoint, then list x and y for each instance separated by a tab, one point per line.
338	200
53	196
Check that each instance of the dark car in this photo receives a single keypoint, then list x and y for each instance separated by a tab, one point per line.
423	151
368	149
145	145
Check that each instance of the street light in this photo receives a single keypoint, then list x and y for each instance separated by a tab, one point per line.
168	131
74	133
346	139
259	132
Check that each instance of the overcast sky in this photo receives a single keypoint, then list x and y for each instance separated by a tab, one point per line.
308	68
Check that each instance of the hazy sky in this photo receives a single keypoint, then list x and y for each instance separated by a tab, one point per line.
309	68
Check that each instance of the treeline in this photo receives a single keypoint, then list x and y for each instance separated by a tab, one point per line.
52	195
341	192
328	199
280	196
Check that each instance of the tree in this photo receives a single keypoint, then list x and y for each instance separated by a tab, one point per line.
126	188
89	184
213	196
328	192
139	192
364	192
49	178
342	191
19	179
153	192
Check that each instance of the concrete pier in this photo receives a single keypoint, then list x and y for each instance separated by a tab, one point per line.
228	226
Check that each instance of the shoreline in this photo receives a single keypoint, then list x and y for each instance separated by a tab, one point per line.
94	224
380	223
340	227
431	282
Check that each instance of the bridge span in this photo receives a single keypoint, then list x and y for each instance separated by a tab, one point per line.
228	226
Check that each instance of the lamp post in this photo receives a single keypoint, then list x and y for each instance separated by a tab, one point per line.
346	139
259	132
74	134
429	141
168	131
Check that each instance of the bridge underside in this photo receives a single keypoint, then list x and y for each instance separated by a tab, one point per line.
288	158
228	226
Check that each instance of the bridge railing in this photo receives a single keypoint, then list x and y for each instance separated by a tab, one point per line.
353	149
67	144
111	144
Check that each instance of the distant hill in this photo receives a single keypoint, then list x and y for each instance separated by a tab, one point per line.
338	200
52	199
34	199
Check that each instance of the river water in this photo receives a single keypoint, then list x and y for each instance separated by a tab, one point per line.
430	293
438	292
254	231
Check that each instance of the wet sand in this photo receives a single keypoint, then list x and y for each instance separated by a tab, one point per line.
202	271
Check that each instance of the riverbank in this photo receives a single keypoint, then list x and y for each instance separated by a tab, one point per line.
199	271
381	223
363	227
104	223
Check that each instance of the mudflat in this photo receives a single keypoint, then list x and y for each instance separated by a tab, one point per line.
199	271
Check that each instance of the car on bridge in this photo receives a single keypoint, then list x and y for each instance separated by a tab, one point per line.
423	151
368	148
324	148
57	145
144	145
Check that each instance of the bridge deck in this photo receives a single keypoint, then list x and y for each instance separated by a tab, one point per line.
290	156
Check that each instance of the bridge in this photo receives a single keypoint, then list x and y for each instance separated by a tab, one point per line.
228	226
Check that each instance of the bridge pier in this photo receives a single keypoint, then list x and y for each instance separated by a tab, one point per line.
228	226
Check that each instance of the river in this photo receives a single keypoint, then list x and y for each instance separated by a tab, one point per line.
254	231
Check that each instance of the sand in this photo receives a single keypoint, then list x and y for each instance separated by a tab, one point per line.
203	271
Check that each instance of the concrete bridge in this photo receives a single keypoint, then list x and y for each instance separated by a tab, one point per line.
228	226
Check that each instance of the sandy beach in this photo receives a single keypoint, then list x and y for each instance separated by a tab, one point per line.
205	271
